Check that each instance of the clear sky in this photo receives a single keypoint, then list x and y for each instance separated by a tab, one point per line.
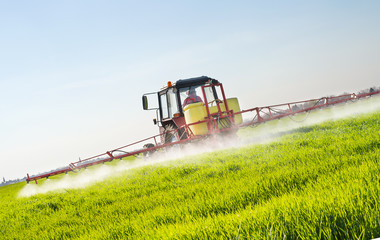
72	72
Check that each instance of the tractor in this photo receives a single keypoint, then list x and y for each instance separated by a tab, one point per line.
192	107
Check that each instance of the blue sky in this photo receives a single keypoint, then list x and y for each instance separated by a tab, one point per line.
73	72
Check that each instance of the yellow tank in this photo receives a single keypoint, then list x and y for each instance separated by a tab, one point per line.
233	104
196	112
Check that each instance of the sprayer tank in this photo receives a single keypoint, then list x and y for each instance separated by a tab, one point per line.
196	112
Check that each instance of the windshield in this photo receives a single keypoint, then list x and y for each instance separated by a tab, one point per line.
190	95
194	94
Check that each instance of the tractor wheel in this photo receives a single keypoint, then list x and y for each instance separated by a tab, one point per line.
170	135
148	153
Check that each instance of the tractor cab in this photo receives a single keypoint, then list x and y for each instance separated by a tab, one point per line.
184	107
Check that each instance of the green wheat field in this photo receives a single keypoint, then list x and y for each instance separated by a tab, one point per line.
316	182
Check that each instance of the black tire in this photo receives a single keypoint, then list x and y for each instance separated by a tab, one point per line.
148	153
170	135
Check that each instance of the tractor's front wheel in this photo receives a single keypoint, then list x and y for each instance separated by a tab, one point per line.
148	153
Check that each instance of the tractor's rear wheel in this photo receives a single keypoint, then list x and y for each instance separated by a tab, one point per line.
171	133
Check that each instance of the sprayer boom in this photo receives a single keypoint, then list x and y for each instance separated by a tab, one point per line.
207	115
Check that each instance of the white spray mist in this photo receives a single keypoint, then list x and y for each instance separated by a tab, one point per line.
263	133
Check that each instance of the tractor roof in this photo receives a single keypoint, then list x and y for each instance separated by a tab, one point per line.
194	81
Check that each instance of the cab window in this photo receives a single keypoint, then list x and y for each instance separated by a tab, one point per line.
169	104
164	106
172	102
184	94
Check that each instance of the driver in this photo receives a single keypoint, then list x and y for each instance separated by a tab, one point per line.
191	98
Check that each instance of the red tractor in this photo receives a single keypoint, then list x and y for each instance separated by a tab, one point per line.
193	107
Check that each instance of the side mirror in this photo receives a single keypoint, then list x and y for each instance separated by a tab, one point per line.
145	102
